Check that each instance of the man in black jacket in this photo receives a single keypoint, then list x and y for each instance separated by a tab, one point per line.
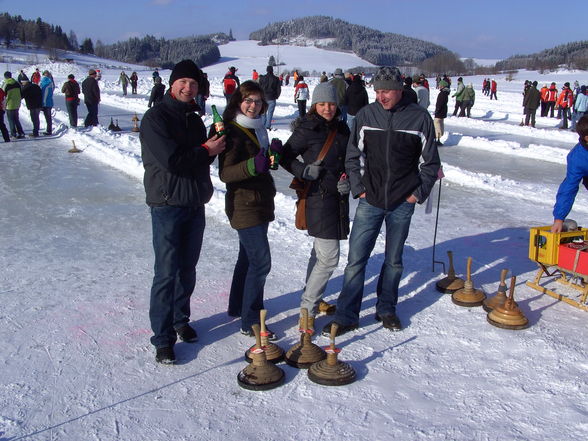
157	92
33	97
531	102
176	157
355	98
409	93
383	164
91	92
270	84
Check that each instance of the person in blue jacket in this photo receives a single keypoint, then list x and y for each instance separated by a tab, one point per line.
47	87
577	171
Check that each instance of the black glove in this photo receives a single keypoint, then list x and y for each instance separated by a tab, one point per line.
312	171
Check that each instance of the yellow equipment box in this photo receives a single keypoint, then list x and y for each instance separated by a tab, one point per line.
544	245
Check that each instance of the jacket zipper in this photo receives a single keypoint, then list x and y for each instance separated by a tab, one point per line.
387	160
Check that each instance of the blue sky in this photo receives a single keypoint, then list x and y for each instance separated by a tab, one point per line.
479	29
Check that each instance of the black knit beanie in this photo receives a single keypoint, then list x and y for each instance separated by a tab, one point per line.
185	69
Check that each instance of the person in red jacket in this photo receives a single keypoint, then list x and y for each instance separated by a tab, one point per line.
565	102
255	75
424	81
36	76
543	93
551	99
493	90
230	83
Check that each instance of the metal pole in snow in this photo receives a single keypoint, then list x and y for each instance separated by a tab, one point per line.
440	176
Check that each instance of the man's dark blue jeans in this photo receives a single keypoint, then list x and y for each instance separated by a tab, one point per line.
177	241
92	116
364	233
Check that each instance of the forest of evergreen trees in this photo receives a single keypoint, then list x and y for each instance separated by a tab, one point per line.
147	50
380	48
35	32
573	55
165	53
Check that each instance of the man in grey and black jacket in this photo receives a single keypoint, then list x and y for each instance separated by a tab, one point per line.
383	162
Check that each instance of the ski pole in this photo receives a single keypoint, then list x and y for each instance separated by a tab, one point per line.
440	176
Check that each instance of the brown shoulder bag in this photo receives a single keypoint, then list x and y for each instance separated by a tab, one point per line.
302	187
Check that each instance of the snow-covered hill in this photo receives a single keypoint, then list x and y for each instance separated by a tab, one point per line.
76	265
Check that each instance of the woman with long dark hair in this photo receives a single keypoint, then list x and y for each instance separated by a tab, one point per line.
249	204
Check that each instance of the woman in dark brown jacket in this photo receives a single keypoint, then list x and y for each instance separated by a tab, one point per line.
249	203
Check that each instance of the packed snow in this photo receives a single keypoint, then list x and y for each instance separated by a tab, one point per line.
77	269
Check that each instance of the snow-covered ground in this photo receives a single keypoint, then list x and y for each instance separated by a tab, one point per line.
77	266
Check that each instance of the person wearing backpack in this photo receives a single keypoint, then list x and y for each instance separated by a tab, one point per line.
301	95
71	90
272	89
230	83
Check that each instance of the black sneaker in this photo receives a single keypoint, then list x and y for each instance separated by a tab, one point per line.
270	335
390	321
187	334
165	355
343	329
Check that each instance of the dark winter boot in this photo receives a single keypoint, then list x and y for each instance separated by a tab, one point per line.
390	321
165	355
187	334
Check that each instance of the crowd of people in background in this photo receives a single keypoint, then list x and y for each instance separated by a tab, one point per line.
568	104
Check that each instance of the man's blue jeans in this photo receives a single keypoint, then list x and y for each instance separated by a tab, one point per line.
364	233
177	240
269	114
252	267
14	122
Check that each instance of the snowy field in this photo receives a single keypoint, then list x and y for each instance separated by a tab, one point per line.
77	266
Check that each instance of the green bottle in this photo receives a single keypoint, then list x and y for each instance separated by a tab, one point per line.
274	158
217	120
